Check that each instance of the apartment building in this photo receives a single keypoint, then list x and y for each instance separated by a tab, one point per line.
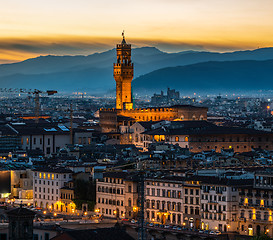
47	184
219	203
164	201
191	203
117	195
256	206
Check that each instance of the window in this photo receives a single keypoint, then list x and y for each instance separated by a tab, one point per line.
177	139
48	150
178	194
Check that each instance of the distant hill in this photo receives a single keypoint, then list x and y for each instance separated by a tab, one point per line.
93	72
211	76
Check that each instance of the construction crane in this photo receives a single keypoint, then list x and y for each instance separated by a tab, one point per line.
34	92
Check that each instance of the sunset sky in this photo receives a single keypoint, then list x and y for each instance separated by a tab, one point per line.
29	28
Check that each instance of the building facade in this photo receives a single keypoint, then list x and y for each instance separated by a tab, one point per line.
117	195
164	201
47	184
256	206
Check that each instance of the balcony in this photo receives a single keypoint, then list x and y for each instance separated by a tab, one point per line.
250	194
257	195
265	196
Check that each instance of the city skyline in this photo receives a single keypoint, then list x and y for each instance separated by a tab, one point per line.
29	28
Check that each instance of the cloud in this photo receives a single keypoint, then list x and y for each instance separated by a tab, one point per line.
17	49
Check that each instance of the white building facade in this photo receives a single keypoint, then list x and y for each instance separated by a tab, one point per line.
47	185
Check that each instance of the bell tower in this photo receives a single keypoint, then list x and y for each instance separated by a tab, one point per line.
123	74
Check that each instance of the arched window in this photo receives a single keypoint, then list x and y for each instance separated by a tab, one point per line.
178	207
147	214
158	204
148	204
173	206
153	204
177	139
186	139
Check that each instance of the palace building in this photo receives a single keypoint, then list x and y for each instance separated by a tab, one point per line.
125	113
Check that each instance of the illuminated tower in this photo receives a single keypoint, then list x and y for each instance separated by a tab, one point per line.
123	74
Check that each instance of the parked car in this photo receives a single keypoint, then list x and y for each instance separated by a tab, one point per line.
201	231
179	228
218	233
167	226
207	232
174	227
212	232
151	224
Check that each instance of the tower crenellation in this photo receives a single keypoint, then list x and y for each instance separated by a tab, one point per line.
123	74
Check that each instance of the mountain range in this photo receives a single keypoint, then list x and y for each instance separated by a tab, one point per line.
189	70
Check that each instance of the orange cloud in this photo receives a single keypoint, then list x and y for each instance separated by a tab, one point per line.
18	49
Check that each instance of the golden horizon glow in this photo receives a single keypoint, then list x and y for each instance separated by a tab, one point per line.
31	28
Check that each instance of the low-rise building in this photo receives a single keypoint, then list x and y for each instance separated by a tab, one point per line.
117	195
164	201
47	184
219	203
191	203
256	206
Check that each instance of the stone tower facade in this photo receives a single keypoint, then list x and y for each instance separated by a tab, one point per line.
123	74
